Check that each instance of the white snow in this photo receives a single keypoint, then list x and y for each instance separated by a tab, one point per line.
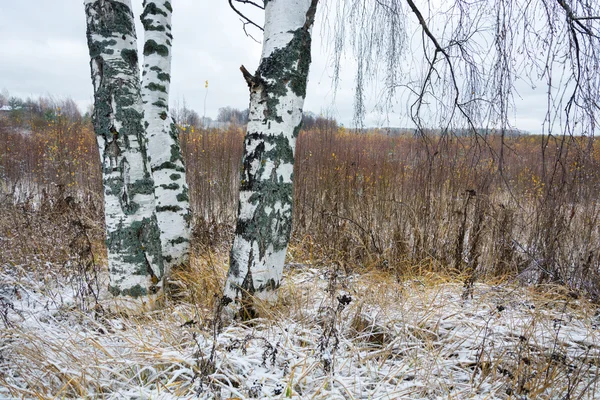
409	340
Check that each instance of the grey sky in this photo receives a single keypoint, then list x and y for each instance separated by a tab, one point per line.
44	52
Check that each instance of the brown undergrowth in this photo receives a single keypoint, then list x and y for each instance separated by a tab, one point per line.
391	200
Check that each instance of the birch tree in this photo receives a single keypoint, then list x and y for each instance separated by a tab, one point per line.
277	93
132	234
164	153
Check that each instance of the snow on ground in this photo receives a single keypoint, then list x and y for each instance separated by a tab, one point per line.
330	336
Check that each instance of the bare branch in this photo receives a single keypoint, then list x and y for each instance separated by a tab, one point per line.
248	20
251	3
248	77
575	19
439	49
246	32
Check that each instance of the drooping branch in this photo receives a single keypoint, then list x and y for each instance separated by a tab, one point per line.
439	49
477	54
577	20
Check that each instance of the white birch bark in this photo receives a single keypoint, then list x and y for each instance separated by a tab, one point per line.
132	235
277	92
164	152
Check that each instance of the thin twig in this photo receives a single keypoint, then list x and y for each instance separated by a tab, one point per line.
248	20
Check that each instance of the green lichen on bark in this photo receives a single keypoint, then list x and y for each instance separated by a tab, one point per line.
169	165
160	103
171	186
179	240
174	133
164	77
152	47
286	68
137	241
150	7
141	186
176	153
172	208
183	196
156	87
297	129
130	57
149	27
110	18
267	195
101	47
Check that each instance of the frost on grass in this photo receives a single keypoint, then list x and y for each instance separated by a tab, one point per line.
329	337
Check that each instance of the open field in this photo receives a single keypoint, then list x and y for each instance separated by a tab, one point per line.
419	268
484	207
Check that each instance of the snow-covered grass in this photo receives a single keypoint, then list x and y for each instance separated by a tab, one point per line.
330	336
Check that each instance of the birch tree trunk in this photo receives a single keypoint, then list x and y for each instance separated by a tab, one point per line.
132	235
277	92
164	152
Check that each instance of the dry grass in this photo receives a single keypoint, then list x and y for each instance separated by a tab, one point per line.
411	338
430	242
406	204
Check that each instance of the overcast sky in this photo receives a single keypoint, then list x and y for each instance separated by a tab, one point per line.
43	51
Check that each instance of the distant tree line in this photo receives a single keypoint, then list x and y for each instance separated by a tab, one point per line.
31	110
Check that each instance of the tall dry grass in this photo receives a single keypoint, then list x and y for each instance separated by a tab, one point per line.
442	202
401	203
